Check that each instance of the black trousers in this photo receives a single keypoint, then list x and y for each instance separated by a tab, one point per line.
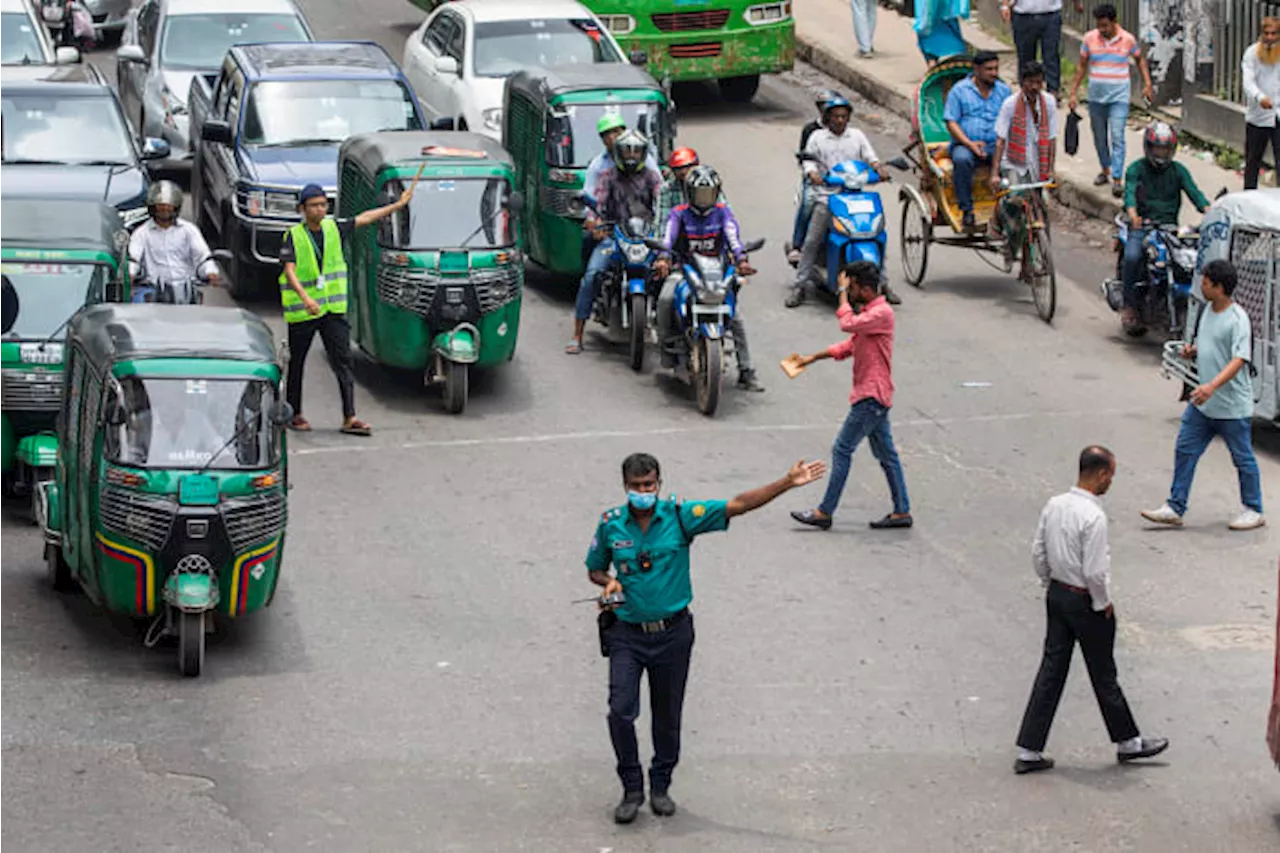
1072	620
1043	31
1255	143
335	333
665	657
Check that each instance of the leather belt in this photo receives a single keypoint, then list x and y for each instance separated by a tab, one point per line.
1078	590
661	625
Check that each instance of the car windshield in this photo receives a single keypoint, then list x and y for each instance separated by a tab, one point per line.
19	41
46	128
291	112
50	293
185	423
504	47
199	42
448	215
571	130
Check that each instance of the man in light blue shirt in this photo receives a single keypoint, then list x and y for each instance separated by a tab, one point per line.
971	111
1221	405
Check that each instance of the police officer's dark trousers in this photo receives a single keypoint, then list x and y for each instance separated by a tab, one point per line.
335	333
665	657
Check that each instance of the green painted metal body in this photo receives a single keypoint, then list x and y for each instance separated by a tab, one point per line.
391	288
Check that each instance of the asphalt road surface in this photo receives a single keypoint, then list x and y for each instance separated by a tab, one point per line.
422	682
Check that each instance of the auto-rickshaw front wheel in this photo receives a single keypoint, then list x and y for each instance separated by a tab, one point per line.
455	386
56	569
190	643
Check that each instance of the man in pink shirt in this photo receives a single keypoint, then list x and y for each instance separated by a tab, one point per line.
871	347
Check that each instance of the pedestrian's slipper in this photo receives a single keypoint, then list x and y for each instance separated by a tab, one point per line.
1102	180
573	348
357	427
300	424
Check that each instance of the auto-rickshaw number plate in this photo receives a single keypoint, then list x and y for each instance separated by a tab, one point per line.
197	386
198	490
48	353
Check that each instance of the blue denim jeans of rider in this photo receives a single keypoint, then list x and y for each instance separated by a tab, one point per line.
601	257
1131	272
867	419
966	163
1194	436
1107	121
803	211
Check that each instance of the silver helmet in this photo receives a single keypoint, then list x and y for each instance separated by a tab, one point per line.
164	192
629	151
702	189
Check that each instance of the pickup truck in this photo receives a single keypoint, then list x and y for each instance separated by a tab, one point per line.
271	122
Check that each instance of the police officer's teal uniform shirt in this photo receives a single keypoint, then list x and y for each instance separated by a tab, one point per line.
665	589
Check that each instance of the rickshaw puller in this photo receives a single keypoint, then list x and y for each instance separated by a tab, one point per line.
703	225
972	107
166	248
313	294
1026	131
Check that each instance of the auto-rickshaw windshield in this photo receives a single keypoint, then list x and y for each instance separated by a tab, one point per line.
572	140
49	293
190	423
448	214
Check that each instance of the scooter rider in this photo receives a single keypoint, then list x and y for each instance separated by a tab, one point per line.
704	225
805	208
834	143
631	186
166	248
820	102
1153	188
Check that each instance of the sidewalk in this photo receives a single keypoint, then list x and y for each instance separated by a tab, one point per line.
824	36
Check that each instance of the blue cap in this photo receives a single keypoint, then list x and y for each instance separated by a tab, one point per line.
309	192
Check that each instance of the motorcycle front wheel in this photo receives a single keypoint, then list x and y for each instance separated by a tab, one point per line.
710	356
639	323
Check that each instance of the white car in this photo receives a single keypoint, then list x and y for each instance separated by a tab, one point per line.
26	40
459	59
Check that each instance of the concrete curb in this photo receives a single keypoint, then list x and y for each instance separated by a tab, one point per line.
1070	192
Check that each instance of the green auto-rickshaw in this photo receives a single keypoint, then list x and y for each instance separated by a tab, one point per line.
169	501
57	255
435	287
549	125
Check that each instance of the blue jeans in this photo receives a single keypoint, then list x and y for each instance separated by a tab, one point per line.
966	163
864	22
1131	268
1194	436
870	420
803	211
601	257
1107	123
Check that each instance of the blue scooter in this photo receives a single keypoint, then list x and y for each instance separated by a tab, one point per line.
625	287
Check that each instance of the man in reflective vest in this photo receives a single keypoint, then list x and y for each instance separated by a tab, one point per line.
313	294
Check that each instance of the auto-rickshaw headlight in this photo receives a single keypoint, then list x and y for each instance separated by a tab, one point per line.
281	413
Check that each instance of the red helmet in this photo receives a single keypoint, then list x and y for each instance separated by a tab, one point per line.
1159	144
682	157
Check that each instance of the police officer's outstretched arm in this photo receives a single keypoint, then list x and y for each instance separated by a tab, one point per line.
801	474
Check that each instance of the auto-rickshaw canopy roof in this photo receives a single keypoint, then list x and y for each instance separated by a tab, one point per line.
375	150
114	332
546	83
1259	209
45	223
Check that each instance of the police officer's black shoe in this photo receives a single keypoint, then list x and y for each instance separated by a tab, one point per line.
662	804
629	807
748	381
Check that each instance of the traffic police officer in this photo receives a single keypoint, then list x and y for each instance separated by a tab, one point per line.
647	541
313	294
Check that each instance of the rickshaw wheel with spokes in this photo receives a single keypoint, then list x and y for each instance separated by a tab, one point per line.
455	387
1044	280
190	643
916	234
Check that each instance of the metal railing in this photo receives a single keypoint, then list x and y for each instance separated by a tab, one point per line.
1235	27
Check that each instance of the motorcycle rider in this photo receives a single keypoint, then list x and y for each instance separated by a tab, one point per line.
704	225
679	164
166	248
610	126
805	208
831	144
1153	188
630	188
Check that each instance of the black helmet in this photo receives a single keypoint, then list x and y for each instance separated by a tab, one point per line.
702	189
629	150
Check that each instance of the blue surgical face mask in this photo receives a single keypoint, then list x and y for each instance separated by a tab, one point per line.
642	501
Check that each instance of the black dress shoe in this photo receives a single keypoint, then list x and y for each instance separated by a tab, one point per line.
811	518
629	807
891	521
1151	746
969	221
748	381
1022	766
662	804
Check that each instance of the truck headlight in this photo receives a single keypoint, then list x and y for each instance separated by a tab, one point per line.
767	13
619	25
279	205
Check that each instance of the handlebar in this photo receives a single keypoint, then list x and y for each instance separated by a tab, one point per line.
1019	188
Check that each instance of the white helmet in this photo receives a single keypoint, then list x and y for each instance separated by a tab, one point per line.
702	189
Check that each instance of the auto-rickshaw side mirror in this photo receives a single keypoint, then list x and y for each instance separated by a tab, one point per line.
115	415
515	202
10	307
638	58
281	413
217	131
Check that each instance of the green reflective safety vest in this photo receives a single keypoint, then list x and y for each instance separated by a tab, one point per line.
324	281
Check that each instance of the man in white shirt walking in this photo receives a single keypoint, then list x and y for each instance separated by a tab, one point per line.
1260	74
1073	561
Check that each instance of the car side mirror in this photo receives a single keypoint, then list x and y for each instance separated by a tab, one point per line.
154	148
444	123
281	414
216	131
638	58
132	53
10	306
446	65
515	202
66	56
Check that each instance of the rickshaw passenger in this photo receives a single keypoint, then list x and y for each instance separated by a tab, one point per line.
1153	188
1026	131
973	105
631	185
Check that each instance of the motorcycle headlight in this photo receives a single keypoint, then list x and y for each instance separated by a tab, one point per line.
493	118
855	182
637	253
711	292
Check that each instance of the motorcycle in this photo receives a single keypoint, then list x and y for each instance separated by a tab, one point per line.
626	291
1168	268
856	230
705	302
184	292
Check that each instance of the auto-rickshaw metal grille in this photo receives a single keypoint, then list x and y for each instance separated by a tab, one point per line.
31	390
143	518
1252	254
414	288
254	519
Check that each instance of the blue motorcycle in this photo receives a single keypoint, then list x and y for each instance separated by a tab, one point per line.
625	293
1169	263
706	300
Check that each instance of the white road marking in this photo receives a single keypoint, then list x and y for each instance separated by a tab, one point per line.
720	429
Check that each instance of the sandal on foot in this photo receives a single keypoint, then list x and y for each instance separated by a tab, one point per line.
357	427
573	348
300	424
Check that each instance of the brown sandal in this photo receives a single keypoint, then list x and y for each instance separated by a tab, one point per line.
357	427
299	424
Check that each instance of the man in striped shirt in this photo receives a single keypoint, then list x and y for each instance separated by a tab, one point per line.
1105	53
